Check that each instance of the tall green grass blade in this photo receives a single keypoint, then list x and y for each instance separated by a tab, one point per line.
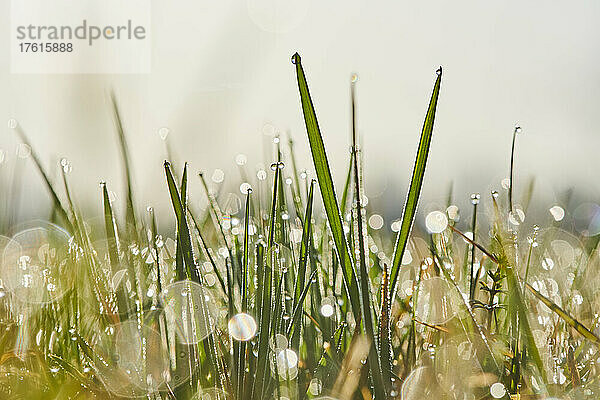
130	214
410	207
242	345
299	306
264	313
344	202
304	254
472	279
185	267
578	326
365	289
296	179
385	348
325	180
111	231
512	164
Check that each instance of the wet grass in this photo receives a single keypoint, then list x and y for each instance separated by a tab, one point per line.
258	296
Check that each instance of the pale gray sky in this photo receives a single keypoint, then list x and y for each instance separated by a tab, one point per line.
221	70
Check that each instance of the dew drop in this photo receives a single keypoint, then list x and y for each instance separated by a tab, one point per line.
23	150
66	165
218	176
376	221
436	222
497	390
245	188
327	310
547	263
453	212
276	165
163	132
12	123
557	212
354	78
475	198
241	159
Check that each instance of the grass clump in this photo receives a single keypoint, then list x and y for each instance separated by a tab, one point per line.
264	299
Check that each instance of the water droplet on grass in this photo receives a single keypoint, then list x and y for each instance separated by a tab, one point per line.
436	222
66	165
327	310
245	188
497	390
376	221
557	212
23	150
218	176
241	159
163	132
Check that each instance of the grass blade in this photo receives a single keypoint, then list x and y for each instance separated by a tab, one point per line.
55	200
130	215
325	180
304	253
365	289
186	267
298	309
578	326
111	231
410	207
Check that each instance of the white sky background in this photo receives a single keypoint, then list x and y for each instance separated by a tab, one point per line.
221	70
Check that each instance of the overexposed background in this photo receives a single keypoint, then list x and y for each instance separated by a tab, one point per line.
222	77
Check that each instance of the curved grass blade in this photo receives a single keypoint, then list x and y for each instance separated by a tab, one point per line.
323	171
512	164
57	204
344	202
130	215
364	281
410	207
578	326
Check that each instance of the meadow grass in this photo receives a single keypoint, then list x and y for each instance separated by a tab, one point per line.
265	299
